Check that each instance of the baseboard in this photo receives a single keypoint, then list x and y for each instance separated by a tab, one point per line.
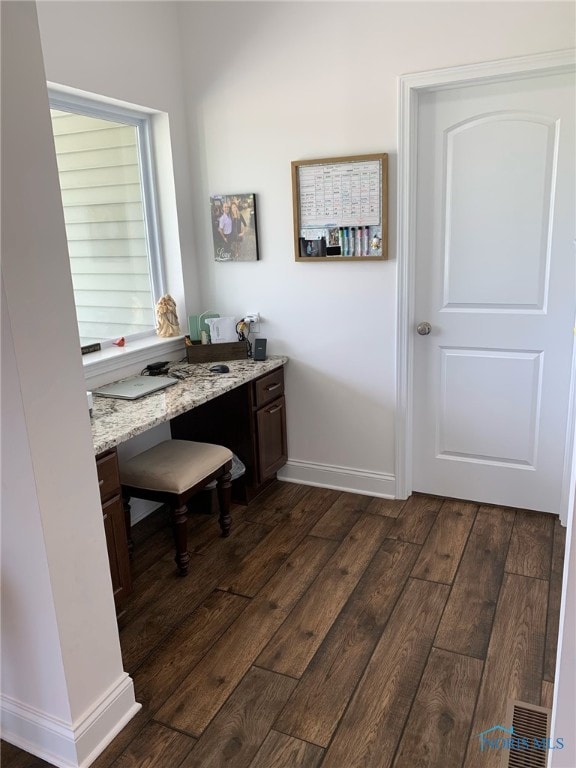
339	478
68	745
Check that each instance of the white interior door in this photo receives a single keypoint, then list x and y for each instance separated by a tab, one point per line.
495	279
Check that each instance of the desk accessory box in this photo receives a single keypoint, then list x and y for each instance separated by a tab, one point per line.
217	353
197	324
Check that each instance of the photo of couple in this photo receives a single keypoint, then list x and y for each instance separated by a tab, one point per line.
234	227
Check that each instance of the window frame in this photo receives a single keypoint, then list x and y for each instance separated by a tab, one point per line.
142	121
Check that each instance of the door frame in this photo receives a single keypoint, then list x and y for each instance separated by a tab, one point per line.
410	87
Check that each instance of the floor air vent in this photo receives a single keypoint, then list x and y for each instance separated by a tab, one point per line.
531	726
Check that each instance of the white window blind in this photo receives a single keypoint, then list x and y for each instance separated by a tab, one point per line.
109	212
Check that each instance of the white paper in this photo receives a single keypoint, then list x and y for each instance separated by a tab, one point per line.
222	329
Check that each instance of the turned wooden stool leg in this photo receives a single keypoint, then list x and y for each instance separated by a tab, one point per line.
180	527
128	524
224	489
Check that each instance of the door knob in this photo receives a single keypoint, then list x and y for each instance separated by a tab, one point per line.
423	329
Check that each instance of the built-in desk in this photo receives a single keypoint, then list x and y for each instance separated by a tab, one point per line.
244	410
116	421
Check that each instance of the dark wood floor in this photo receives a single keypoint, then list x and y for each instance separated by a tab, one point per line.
336	630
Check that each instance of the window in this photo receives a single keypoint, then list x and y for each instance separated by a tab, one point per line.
106	180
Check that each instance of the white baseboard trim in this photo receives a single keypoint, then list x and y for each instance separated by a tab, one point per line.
68	745
339	478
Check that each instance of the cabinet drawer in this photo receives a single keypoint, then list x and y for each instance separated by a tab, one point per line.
269	387
108	477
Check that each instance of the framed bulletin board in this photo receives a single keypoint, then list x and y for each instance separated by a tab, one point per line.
340	207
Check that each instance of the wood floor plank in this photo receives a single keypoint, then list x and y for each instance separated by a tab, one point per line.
386	507
530	548
467	621
321	696
282	751
272	505
436	732
443	549
554	597
416	518
161	576
169	598
152	540
376	689
265	559
547	694
207	531
161	674
205	690
15	758
241	727
371	726
297	640
123	740
155	747
513	667
341	516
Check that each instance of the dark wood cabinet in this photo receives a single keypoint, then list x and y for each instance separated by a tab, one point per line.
269	405
251	421
271	432
114	526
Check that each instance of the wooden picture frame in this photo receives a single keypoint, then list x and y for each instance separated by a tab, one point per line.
340	208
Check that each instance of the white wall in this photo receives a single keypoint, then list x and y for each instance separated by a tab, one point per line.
270	82
275	82
130	51
64	691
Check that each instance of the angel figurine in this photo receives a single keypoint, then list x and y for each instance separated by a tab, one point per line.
166	317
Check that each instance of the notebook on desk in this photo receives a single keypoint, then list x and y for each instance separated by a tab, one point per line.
132	389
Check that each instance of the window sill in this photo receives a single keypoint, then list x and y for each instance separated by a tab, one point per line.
112	359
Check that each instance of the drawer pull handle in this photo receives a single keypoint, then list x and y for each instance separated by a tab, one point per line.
273	410
272	386
100	483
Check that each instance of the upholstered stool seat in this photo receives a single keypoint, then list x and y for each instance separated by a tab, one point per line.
172	472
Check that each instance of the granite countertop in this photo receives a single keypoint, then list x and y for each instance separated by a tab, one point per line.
114	421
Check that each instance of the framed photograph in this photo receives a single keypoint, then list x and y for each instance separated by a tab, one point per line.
234	227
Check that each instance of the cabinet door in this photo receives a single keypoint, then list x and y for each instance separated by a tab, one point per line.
115	529
271	434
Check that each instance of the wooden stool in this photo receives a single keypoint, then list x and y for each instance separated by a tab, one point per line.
172	472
